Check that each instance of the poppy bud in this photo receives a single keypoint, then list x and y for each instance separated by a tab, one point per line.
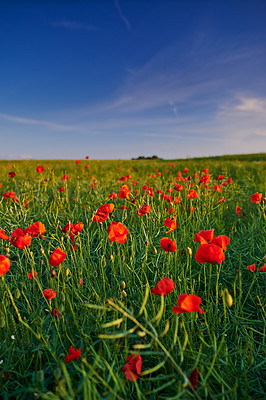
146	242
17	293
67	271
53	273
228	299
124	293
112	258
189	251
7	250
42	250
154	250
122	285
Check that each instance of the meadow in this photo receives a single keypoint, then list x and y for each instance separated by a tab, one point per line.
133	279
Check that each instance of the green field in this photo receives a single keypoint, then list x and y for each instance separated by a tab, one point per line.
103	303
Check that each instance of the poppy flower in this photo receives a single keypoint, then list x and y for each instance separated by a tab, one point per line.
124	192
205	170
72	354
124	207
205	178
32	274
77	227
10	195
117	232
20	239
145	209
132	367
100	217
57	257
229	180
56	313
209	253
36	229
113	195
221	200
87	157
78	162
193	378
251	268
4	264
204	237
192	194
185	170
256	198
11	174
3	235
65	178
172	225
87	166
219	177
191	209
187	303
49	294
221	241
263	268
103	212
40	169
217	188
164	286
178	187
168	244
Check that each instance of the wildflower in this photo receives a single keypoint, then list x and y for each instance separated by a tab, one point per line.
10	195
221	241
56	313
256	198
145	209
132	367
124	192
117	232
251	268
172	225
168	244
78	162
187	303
193	378
61	189
164	286
49	294
221	200
219	177
205	178
73	354
185	170
103	212
204	236
36	229
11	174
191	209
192	194
178	187
217	188
263	268
3	235
4	264
65	178
124	207
57	257
87	157
20	239
113	195
210	253
32	274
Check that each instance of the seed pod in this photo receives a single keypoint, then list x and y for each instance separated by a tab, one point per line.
154	250
228	299
122	285
124	293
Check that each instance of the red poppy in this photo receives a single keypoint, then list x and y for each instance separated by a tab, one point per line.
78	162
164	286
187	303
100	217
217	188
3	235
10	195
204	237
221	241
209	253
124	207
117	232
36	229
205	170
103	212
57	257
87	166
263	268
185	170
113	195
229	180
73	354
172	225
4	264
192	194
191	209
40	169
56	313
221	200
168	244
49	294
32	274
193	378
178	200
124	192
20	239
145	209
219	177
256	198
77	227
12	174
205	178
65	178
87	157
178	187
252	268
132	367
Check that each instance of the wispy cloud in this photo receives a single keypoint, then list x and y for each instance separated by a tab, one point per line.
74	25
122	16
256	105
47	124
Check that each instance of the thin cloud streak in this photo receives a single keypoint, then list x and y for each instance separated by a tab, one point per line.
48	124
124	19
74	25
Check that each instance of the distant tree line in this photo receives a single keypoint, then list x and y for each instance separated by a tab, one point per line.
147	158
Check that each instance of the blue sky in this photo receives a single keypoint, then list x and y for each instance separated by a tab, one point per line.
123	78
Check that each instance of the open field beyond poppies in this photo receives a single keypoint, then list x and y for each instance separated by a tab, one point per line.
141	279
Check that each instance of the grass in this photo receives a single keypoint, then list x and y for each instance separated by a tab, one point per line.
110	320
